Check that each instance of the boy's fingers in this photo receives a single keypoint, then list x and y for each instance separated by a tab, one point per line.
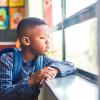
48	68
51	71
55	71
41	82
46	75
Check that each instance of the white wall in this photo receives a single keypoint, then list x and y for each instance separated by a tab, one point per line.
35	8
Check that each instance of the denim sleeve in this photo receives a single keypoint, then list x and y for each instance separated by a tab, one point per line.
6	86
64	67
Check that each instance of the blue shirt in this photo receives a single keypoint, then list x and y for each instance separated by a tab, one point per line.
22	86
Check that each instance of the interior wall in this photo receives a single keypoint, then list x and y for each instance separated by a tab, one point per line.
35	8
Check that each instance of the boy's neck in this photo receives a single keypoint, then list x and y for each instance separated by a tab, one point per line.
27	56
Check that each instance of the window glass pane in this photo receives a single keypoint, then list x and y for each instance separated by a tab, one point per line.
73	6
56	11
56	45
81	45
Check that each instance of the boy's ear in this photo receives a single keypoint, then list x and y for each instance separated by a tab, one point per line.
26	40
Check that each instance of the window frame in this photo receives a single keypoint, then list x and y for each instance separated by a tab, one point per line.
90	12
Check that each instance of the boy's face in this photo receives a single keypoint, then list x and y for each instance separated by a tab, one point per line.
39	39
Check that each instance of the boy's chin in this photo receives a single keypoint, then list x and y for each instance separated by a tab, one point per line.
44	53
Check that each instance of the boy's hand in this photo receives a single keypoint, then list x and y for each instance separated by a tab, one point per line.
40	76
55	71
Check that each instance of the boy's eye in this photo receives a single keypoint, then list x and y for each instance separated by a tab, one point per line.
42	37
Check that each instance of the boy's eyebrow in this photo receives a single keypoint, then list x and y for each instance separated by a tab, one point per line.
45	35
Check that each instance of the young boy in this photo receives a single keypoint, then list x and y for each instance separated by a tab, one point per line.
34	39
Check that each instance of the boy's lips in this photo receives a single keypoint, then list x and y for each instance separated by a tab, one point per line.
47	49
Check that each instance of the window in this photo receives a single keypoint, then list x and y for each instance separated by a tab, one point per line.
56	45
80	33
73	6
81	45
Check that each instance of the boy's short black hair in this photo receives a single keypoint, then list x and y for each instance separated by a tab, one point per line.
28	23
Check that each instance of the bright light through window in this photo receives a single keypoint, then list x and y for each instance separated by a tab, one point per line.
73	6
56	45
81	45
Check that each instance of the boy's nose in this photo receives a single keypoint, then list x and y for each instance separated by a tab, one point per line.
48	41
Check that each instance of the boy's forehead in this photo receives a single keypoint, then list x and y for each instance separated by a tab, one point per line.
40	29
